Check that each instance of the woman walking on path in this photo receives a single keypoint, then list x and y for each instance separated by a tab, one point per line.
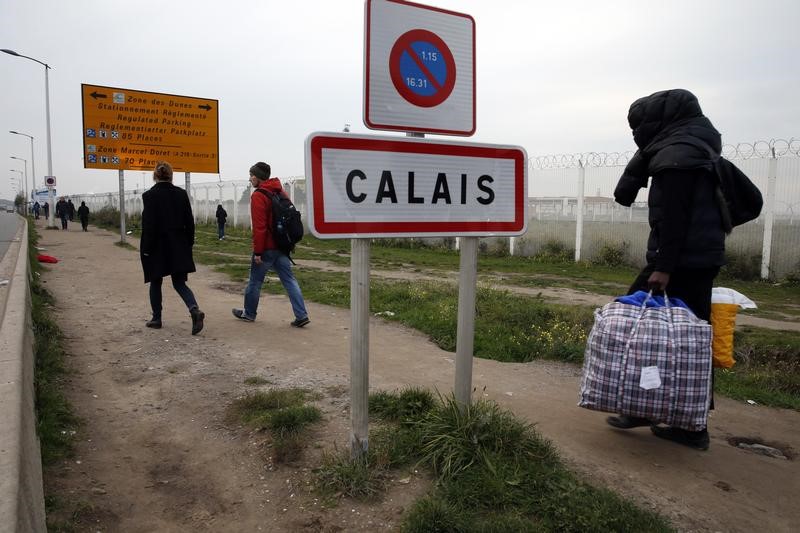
166	245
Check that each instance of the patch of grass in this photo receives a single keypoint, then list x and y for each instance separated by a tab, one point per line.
494	473
293	418
554	251
108	218
341	475
612	254
394	445
435	515
56	422
767	368
408	404
455	438
126	245
283	412
256	380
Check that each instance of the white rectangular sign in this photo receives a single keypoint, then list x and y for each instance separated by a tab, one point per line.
419	68
371	186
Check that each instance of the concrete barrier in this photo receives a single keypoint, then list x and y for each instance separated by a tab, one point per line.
21	490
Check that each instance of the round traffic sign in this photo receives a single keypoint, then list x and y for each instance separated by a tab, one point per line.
422	68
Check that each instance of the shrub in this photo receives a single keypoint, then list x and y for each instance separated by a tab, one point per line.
612	254
554	251
742	266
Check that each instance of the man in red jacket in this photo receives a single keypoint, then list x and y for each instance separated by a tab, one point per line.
266	255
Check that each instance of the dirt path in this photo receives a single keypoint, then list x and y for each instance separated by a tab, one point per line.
156	453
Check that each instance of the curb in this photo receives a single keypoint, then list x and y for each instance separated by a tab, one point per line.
21	490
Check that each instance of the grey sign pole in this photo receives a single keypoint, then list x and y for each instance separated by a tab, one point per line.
188	185
465	333
359	346
121	206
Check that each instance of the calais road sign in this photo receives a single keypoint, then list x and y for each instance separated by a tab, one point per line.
124	129
374	186
419	68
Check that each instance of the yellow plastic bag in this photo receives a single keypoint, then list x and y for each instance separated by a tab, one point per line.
724	305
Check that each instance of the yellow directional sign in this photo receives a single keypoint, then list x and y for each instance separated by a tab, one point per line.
125	129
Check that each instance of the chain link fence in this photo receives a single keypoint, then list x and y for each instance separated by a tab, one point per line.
571	206
571	202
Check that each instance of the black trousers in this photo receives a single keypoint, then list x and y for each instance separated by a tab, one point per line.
179	284
693	286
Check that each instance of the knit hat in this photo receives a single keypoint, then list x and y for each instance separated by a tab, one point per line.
261	170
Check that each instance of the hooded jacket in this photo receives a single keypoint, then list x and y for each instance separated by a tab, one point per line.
677	146
261	216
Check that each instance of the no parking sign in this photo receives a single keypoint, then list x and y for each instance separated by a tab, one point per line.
419	69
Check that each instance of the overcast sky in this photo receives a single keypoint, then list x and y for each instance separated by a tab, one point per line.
554	77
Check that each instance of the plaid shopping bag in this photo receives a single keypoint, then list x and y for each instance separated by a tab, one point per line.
650	362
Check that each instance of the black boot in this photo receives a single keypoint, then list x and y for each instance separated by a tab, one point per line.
197	320
154	323
693	439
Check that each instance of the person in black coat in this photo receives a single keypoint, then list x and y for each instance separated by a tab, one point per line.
686	247
83	215
222	217
166	244
62	212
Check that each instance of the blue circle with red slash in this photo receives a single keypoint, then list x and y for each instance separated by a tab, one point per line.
422	68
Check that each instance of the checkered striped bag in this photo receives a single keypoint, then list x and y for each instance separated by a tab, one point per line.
649	362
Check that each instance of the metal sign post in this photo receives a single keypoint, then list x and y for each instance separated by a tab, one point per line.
465	332
359	346
122	206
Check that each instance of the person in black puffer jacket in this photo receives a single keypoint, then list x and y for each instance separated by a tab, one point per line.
686	247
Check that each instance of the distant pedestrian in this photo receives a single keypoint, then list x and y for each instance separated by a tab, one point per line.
46	208
166	244
36	208
70	209
222	217
83	215
266	255
62	212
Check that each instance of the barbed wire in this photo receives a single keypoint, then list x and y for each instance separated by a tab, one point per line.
757	149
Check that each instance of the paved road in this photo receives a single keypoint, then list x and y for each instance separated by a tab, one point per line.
9	222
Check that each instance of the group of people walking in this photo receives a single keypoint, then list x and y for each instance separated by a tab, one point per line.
65	211
168	234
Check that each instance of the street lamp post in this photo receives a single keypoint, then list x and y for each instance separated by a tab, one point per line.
51	217
20	190
25	184
33	162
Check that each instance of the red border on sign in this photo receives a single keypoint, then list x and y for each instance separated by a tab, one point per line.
390	228
403	45
405	127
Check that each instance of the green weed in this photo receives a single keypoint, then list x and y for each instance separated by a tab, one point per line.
284	413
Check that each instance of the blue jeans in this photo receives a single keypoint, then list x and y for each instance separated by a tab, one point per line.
220	229
279	262
179	284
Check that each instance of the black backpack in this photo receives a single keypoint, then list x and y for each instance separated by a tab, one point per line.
287	226
740	200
